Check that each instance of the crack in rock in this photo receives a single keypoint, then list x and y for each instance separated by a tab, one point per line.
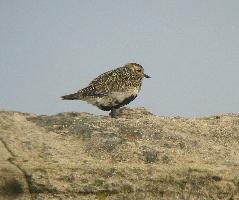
13	186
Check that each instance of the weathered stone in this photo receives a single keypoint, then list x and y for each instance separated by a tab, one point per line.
135	156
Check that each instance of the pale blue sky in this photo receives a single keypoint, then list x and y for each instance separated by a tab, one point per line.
52	48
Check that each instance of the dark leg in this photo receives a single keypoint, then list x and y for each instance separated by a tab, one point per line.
113	112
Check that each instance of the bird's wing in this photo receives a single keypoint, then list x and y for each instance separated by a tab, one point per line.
91	91
97	87
105	82
102	84
102	78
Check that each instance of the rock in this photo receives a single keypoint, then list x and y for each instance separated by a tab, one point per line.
135	156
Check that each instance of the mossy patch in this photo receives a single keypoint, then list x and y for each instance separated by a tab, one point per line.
11	187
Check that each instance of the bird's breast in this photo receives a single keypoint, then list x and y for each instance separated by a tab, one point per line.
115	99
121	96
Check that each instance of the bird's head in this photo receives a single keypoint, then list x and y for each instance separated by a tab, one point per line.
138	70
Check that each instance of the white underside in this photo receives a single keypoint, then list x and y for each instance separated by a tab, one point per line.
113	98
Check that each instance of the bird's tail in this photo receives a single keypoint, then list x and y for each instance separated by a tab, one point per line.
70	96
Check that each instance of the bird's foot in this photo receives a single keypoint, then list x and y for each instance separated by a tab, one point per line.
113	113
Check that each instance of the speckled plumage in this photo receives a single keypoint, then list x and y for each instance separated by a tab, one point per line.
112	89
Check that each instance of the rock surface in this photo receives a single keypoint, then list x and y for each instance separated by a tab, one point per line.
136	156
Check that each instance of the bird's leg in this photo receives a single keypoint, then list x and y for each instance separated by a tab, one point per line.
113	112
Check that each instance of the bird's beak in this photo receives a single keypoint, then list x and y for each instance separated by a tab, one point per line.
147	76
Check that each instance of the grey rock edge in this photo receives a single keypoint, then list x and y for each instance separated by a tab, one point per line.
136	156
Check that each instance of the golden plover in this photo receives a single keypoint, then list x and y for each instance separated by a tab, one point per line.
113	89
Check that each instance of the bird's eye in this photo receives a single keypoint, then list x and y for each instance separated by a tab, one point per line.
138	70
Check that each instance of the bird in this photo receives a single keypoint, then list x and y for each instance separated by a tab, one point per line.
112	89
